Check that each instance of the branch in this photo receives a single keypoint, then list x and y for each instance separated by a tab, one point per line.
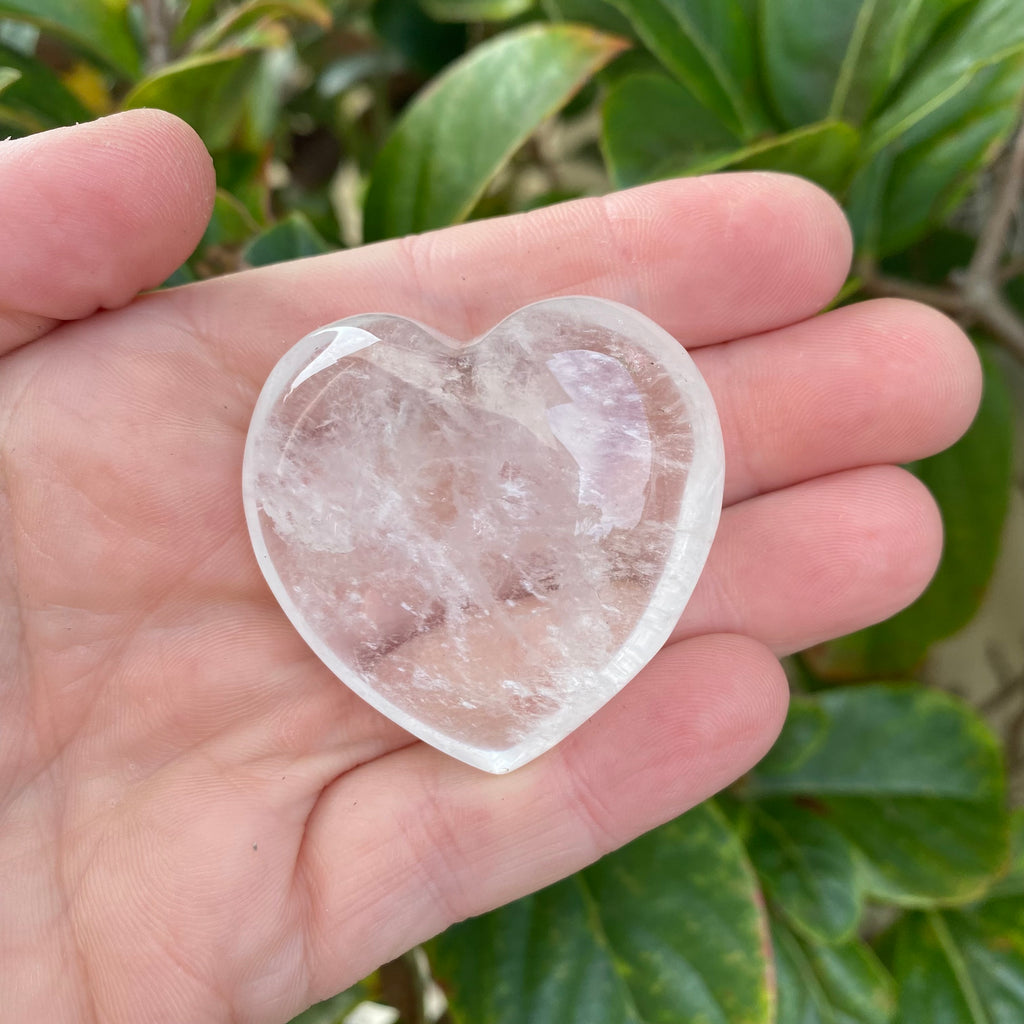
984	265
1010	269
999	317
949	300
158	33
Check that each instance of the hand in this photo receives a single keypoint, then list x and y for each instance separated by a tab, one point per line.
198	822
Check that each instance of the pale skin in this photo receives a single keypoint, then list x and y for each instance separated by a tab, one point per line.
198	822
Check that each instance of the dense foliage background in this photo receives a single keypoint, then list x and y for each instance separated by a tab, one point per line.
871	869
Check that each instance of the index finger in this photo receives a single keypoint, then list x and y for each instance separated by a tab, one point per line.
710	259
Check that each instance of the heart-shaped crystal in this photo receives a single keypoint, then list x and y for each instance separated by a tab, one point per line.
485	541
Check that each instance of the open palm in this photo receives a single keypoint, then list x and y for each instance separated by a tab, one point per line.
197	821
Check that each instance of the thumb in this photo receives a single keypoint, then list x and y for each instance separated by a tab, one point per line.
93	214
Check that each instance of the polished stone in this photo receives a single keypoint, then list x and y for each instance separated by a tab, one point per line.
485	541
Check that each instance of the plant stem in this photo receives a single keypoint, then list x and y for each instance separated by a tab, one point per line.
989	253
1011	268
949	300
158	33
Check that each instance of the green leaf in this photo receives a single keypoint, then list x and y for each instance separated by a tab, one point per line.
291	238
893	34
925	174
209	91
8	76
990	32
961	968
808	727
912	777
241	16
971	483
460	131
40	91
802	50
824	153
194	14
709	46
823	984
475	10
668	929
807	867
97	26
652	124
277	67
929	179
837	59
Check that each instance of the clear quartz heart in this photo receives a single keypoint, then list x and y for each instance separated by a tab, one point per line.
485	541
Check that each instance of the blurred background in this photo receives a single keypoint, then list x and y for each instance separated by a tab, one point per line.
871	869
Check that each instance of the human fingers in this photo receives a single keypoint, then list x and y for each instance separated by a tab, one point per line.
95	213
400	848
881	381
817	560
707	258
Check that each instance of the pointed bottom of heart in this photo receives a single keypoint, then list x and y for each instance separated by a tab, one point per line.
487	541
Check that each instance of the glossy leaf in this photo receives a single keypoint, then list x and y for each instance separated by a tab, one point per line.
990	32
824	153
803	46
40	91
826	984
837	59
98	26
924	176
209	91
709	46
194	14
667	929
291	238
895	33
652	125
8	76
912	777
475	10
241	16
459	132
276	68
961	967
929	179
971	482
807	867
